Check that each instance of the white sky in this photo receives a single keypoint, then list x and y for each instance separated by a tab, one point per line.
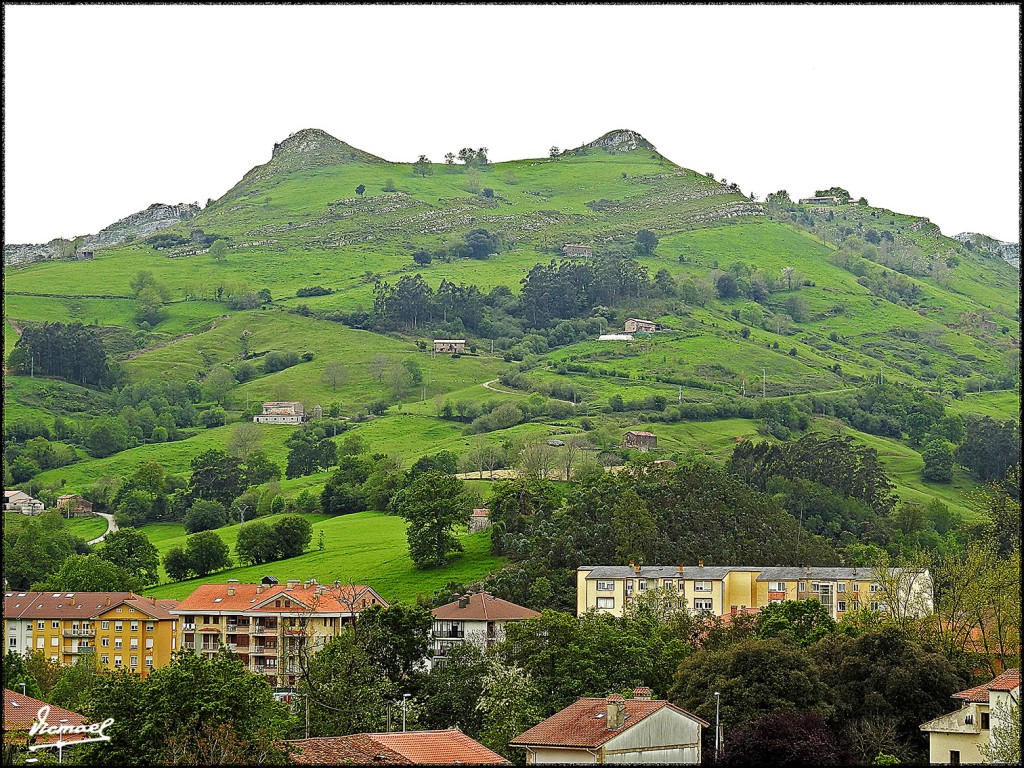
108	109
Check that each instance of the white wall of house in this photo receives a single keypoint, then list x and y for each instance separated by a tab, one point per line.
667	736
549	755
19	636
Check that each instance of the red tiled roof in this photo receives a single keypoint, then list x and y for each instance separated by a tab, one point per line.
77	605
484	607
584	724
412	747
1007	681
341	599
481	512
20	712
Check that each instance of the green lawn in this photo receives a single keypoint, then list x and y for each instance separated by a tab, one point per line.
364	548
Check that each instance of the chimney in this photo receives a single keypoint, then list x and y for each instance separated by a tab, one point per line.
337	584
292	583
152	600
700	563
616	711
464	601
259	589
680	569
637	567
106	600
642	692
732	610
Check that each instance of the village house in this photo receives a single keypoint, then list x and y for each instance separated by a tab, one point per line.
450	346
641	441
123	629
449	747
479	619
21	503
635	325
956	738
827	200
577	251
281	413
722	590
85	254
73	505
480	520
615	730
21	712
267	624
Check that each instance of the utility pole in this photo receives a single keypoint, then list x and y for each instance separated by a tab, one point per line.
405	698
764	379
718	728
680	393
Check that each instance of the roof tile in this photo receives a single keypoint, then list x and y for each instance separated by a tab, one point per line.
411	747
484	607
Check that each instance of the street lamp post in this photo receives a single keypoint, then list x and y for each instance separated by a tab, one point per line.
405	698
718	730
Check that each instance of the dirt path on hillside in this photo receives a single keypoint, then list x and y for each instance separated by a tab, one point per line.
136	352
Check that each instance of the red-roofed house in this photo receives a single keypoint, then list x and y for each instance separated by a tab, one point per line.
480	520
479	619
615	730
408	748
265	624
640	440
957	737
20	712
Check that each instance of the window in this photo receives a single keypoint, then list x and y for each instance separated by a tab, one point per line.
605	586
118	610
702	586
41	625
130	609
841	605
776	586
54	641
149	626
815	586
105	658
841	586
606	602
106	625
134	661
669	584
118	626
54	658
702	604
117	642
134	644
14	642
40	642
641	584
802	586
55	625
105	642
876	606
117	661
135	626
856	587
876	588
149	661
984	721
149	643
954	757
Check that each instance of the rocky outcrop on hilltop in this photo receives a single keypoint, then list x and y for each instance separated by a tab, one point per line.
622	140
989	246
137	226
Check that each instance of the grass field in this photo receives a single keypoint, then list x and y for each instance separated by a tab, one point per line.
364	548
85	528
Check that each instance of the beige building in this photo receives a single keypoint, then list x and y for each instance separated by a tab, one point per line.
281	413
635	325
73	505
615	730
22	503
450	346
721	590
577	250
266	625
640	440
479	619
957	737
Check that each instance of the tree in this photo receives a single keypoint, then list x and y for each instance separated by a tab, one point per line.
361	189
219	249
1004	741
218	383
292	534
646	242
449	158
939	457
132	550
106	437
177	564
396	638
256	544
47	673
433	505
245	440
510	705
216	476
803	621
205	516
422	257
452	691
238	723
378	365
422	166
785	739
990	447
309	452
89	573
727	286
206	552
334	374
553	152
15	672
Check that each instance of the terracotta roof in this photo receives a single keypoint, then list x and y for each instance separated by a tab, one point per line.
77	605
20	712
158	609
484	607
1007	681
340	599
639	432
481	512
412	747
584	724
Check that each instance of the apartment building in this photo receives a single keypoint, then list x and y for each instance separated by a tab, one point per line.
479	619
266	625
123	629
722	590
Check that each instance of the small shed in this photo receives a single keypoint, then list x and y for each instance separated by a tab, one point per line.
480	520
85	254
577	250
450	346
636	325
641	441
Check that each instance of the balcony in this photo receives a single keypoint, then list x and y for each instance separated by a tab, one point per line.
264	629
79	649
189	627
211	648
79	632
189	646
445	634
264	650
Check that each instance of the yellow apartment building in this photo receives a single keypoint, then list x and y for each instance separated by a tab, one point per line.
123	629
267	624
721	590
